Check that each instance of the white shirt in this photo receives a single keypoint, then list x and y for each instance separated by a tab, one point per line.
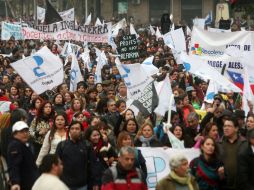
48	181
49	148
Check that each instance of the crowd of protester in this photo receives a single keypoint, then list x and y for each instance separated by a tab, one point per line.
89	138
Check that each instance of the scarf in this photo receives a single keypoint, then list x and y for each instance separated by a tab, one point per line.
145	141
182	180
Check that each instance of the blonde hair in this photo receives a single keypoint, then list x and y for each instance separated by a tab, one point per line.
142	127
5	119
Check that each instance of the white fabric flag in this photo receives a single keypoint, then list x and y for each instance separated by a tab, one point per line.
199	22
211	91
88	19
115	28
188	31
164	92
75	74
247	92
195	65
148	66
42	71
98	22
158	33
152	30
133	31
135	85
40	13
175	39
101	61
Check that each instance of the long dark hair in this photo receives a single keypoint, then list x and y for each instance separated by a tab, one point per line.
215	156
53	129
40	114
126	123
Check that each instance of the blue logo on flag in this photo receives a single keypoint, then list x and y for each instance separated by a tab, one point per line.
37	70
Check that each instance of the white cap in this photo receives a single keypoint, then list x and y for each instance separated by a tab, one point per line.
19	125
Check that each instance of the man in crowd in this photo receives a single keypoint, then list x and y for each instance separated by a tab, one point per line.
21	163
124	175
231	144
76	156
51	168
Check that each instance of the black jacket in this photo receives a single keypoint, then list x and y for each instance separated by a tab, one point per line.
246	168
21	165
77	165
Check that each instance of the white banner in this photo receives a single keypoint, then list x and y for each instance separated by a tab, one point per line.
9	30
42	71
207	43
69	48
157	162
68	31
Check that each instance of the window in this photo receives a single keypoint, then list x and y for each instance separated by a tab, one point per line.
190	10
157	9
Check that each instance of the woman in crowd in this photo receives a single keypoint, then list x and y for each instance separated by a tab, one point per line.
250	122
68	96
207	168
146	137
14	93
41	125
178	178
77	105
32	112
103	151
124	139
58	103
55	135
211	130
91	99
131	126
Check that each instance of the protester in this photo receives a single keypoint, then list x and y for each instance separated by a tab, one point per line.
246	164
54	136
21	163
77	158
51	168
178	178
131	177
230	145
207	169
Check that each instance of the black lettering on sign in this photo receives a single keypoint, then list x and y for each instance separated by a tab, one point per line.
128	48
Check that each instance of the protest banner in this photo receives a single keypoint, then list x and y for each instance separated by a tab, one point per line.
128	48
9	30
30	33
42	71
157	162
205	43
69	48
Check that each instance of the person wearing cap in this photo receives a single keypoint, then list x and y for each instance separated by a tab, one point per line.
246	164
229	147
20	160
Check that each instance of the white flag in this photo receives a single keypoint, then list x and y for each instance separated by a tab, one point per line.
101	61
158	33
175	39
247	92
75	74
134	84
152	30
88	19
148	66
68	15
164	92
42	71
133	31
98	22
211	91
115	28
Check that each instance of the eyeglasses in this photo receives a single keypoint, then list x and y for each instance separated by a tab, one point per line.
28	90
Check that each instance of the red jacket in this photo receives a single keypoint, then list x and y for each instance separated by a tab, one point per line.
115	178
